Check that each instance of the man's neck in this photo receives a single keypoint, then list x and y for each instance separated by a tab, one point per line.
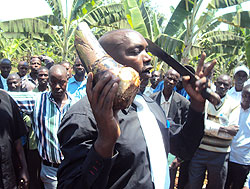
33	76
42	88
79	77
167	94
3	77
238	89
61	101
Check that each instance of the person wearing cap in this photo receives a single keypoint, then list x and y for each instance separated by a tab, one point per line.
241	73
221	125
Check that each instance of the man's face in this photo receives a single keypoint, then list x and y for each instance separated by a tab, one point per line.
43	77
223	84
171	79
132	52
14	84
68	68
5	69
79	68
23	69
155	79
58	84
240	78
245	98
35	64
144	77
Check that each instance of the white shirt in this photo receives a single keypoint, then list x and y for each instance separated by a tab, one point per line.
166	104
148	91
240	147
4	82
234	94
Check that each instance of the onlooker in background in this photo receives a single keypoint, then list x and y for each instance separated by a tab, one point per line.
14	82
77	84
12	126
241	73
68	68
47	110
154	80
175	107
179	87
221	125
239	160
43	79
23	68
35	64
33	157
5	68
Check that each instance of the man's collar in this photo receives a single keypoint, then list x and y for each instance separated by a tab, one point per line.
163	100
52	99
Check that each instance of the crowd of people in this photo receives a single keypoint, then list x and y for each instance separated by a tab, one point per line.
60	129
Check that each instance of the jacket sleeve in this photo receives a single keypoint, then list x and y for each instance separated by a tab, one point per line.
185	141
82	166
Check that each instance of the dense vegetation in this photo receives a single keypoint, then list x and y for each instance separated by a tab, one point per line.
185	35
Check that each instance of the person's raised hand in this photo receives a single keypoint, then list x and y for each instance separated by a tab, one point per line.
101	97
197	101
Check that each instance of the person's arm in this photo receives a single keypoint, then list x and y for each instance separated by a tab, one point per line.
184	143
94	156
19	129
23	171
82	165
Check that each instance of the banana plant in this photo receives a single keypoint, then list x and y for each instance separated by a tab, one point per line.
59	28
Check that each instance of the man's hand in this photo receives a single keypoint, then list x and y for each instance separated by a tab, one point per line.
197	101
231	130
101	98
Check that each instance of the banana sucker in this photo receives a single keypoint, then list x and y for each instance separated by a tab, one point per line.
96	60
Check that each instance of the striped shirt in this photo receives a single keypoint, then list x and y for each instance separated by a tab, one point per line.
47	117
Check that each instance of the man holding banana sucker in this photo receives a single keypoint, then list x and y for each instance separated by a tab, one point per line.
104	147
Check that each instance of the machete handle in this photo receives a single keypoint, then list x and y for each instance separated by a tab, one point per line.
211	96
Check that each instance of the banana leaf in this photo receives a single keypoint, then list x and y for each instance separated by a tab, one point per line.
134	17
180	14
237	19
217	4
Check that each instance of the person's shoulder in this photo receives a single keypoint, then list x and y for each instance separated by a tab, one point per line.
154	95
80	107
230	91
180	98
152	103
71	80
4	94
232	101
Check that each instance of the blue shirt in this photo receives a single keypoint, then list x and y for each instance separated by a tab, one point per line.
77	89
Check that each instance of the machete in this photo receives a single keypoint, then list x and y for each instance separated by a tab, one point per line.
206	93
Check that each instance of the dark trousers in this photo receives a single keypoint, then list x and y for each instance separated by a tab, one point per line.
216	165
237	175
34	167
183	175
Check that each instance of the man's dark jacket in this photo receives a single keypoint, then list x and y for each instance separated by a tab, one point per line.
129	168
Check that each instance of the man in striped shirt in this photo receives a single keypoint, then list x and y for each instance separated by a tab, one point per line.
47	110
